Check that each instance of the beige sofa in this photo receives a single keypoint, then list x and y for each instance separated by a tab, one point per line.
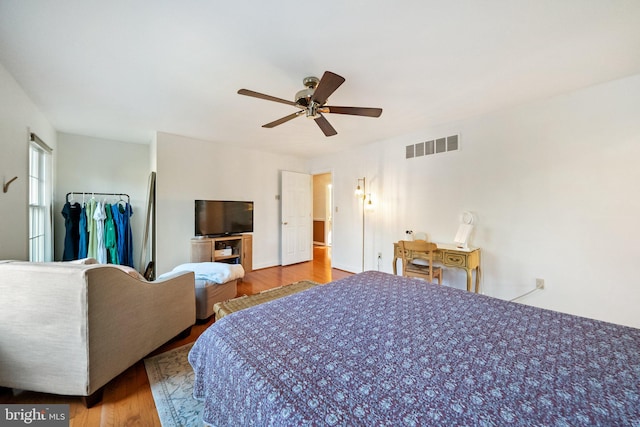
69	328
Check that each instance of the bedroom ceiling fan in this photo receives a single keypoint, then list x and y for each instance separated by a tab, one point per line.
311	102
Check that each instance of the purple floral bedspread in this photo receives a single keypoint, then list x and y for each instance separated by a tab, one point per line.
381	350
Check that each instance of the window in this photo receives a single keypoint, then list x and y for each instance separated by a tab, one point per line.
40	191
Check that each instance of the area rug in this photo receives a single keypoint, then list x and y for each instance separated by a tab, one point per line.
171	379
221	309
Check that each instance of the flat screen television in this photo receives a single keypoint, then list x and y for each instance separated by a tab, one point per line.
223	217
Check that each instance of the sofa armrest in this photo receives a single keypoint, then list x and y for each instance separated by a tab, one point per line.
43	327
129	318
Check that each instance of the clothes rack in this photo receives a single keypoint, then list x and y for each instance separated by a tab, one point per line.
93	193
97	228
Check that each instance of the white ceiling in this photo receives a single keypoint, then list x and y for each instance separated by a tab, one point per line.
123	69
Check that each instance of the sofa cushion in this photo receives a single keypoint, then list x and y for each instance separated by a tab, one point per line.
130	271
84	261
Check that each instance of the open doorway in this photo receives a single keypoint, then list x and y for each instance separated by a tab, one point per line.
322	209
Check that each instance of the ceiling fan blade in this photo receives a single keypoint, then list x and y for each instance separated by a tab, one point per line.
325	126
354	111
328	84
248	92
283	120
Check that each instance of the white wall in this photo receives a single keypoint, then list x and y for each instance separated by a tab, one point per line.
18	116
320	183
554	185
190	169
94	164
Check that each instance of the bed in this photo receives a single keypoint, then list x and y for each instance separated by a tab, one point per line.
384	350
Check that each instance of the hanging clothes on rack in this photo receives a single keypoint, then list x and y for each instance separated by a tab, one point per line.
129	235
71	213
92	245
122	215
84	233
99	216
97	229
110	239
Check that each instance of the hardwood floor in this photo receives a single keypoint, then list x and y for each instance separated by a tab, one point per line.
127	399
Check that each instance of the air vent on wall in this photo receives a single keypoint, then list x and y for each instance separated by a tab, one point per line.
434	146
410	152
452	143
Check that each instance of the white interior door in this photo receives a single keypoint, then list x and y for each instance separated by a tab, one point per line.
296	224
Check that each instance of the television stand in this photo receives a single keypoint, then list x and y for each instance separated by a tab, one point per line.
236	249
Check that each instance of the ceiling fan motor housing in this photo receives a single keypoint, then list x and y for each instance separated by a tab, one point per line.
304	96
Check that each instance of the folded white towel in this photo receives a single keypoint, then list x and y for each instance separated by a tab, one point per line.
217	272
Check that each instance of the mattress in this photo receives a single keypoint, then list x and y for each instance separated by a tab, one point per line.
384	350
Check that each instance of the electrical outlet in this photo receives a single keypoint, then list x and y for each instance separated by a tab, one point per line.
540	283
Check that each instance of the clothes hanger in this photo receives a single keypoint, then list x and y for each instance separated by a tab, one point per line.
122	203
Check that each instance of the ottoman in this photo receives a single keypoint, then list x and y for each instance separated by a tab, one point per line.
208	294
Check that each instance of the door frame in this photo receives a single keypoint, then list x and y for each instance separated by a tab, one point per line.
333	204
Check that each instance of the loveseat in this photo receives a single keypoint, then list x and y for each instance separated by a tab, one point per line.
71	328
